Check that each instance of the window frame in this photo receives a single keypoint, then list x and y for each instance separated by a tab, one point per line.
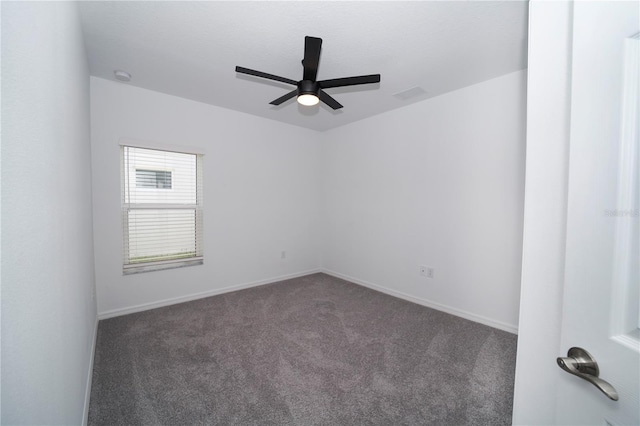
129	267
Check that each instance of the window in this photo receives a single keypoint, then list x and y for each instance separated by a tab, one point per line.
161	209
153	179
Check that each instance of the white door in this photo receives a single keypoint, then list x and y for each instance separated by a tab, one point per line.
602	259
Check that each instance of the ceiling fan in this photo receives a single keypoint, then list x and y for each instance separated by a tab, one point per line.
310	91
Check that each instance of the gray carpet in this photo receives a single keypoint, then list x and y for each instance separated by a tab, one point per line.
314	350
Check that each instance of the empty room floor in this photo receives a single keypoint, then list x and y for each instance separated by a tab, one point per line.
310	350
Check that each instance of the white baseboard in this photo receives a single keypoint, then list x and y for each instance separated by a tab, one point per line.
437	306
424	302
172	301
87	392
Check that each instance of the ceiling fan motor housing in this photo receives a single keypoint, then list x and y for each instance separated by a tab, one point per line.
308	87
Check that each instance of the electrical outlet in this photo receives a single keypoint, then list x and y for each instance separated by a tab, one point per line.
427	271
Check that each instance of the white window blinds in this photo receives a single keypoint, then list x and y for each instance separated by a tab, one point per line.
161	209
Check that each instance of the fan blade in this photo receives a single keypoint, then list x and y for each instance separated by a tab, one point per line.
350	81
311	59
265	75
286	97
324	97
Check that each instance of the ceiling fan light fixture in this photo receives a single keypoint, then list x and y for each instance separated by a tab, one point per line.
308	99
308	93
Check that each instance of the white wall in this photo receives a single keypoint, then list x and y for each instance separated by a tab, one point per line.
261	185
548	118
438	183
48	292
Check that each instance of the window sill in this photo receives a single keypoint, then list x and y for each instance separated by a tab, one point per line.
160	266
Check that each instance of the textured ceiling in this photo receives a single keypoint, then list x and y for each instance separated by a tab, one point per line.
190	49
